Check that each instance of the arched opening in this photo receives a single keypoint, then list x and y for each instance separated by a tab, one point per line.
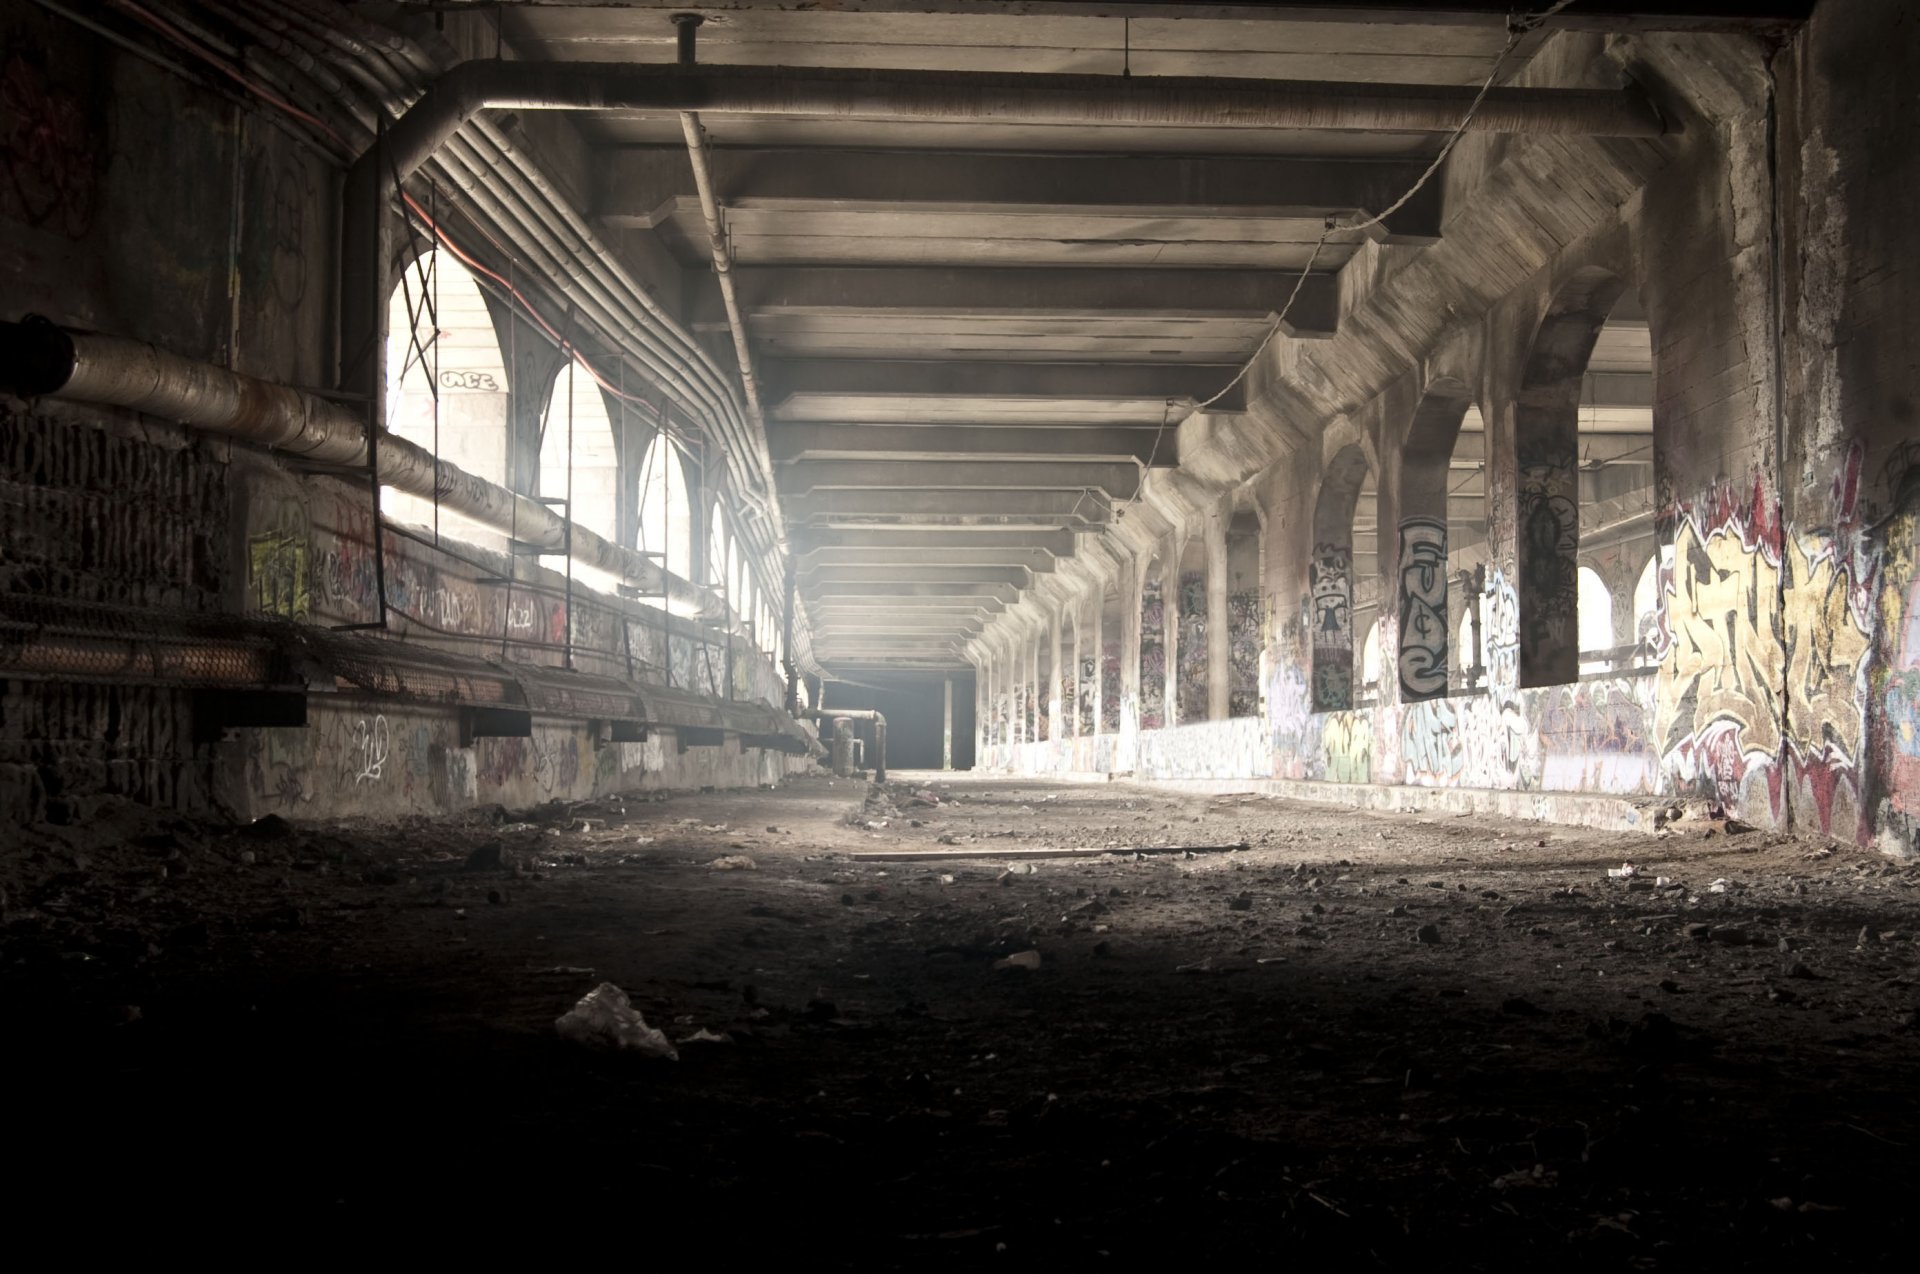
1370	665
1467	554
1192	644
666	507
1421	585
1583	442
1153	649
446	385
580	461
1597	638
1331	578
1648	599
1243	614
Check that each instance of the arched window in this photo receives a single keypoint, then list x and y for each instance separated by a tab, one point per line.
716	546
446	385
579	462
666	509
736	580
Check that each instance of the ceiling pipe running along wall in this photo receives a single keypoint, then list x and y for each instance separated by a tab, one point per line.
41	360
687	25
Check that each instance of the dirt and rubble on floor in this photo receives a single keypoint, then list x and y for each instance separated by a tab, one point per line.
912	1031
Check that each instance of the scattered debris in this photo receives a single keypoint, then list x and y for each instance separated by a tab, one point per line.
734	862
605	1019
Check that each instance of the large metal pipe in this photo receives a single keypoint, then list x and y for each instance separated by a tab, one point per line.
721	252
859	714
41	360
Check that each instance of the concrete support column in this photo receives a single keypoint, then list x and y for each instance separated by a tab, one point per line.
1170	624
1219	647
1094	689
946	733
1036	704
1130	572
1070	676
1016	668
981	676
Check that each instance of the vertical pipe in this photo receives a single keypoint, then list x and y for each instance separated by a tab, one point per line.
946	732
686	34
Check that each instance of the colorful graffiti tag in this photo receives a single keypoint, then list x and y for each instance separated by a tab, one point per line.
1330	590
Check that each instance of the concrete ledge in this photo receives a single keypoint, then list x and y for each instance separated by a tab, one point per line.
1582	809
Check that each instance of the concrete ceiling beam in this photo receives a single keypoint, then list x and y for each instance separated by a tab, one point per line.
1078	292
933	507
903	621
643	186
825	577
856	588
896	539
1119	481
833	607
920	379
793	441
1640	15
1030	559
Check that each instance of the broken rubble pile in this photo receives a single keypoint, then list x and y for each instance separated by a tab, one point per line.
604	1018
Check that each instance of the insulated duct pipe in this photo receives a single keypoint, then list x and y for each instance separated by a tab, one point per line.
40	360
688	24
859	714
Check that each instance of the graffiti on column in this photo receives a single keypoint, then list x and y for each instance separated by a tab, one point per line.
1110	688
1423	609
1243	645
1330	576
1089	672
1900	621
1549	542
1153	657
1193	646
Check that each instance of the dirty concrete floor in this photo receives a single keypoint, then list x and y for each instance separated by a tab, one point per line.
1404	1042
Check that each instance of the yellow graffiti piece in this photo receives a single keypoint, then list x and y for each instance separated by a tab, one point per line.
1723	666
1825	650
277	568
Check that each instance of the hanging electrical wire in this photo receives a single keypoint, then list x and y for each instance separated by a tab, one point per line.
1517	28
